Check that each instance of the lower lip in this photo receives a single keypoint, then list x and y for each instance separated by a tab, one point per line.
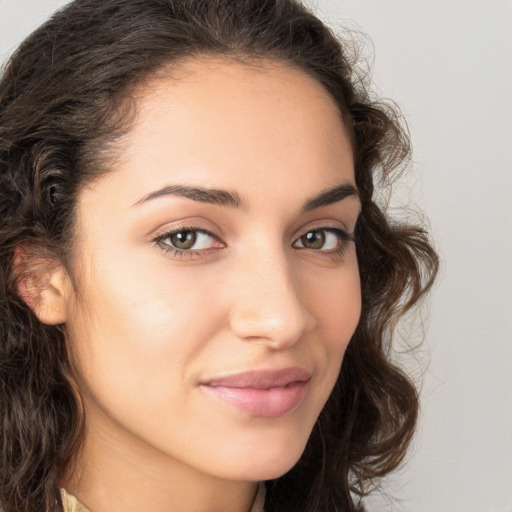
267	403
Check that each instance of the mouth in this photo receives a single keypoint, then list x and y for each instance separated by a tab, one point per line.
262	393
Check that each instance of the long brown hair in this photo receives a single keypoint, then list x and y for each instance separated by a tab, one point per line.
64	100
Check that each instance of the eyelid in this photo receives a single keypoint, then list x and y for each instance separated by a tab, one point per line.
163	234
345	237
350	236
171	230
325	224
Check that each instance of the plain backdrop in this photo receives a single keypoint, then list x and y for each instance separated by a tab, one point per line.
448	64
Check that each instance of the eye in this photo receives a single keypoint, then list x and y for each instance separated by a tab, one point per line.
325	239
187	240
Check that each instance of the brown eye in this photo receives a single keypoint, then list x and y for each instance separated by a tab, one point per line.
188	240
325	240
183	240
313	240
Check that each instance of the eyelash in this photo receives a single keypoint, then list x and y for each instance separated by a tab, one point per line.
344	238
160	241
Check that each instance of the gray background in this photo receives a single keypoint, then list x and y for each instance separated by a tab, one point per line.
448	64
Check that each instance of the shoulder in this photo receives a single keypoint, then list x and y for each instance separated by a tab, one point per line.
70	503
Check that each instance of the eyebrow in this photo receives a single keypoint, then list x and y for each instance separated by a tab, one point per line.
221	197
331	196
203	195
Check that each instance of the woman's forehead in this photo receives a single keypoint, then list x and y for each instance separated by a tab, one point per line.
227	124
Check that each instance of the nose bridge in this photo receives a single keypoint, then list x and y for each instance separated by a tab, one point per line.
268	305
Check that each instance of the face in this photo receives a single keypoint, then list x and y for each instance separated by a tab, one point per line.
217	279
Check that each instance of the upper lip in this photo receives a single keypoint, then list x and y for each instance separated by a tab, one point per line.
262	379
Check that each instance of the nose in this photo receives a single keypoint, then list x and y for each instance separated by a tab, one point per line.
268	306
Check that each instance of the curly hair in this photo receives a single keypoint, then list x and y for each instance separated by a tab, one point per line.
65	98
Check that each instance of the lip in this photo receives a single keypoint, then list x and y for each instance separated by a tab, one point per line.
262	393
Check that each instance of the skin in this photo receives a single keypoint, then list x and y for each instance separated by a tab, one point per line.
147	326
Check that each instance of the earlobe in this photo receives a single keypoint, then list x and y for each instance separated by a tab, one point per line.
43	284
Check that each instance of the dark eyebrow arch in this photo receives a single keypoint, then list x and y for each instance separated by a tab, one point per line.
203	195
330	196
221	197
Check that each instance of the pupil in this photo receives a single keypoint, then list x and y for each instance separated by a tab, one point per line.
314	239
183	239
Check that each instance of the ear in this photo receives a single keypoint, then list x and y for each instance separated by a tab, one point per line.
43	284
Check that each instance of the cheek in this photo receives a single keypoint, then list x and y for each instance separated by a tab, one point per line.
336	303
130	330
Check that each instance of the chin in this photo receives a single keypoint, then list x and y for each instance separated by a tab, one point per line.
265	461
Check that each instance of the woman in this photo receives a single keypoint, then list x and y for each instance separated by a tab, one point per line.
198	289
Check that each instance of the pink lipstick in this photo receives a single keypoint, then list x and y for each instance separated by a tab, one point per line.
264	393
